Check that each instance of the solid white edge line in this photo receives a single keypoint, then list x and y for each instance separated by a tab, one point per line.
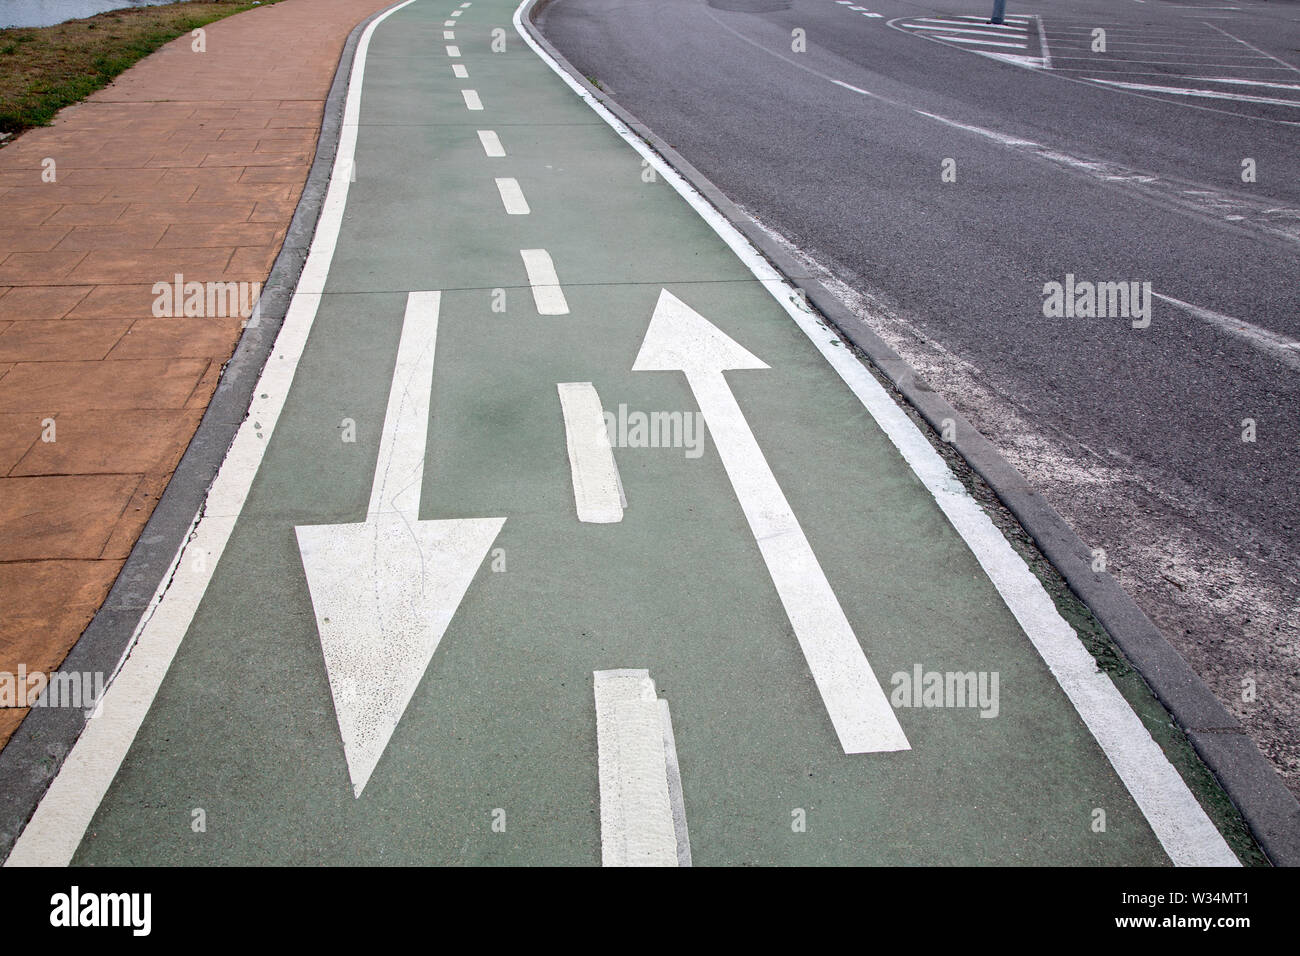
1179	822
512	196
55	830
637	818
491	143
548	296
597	490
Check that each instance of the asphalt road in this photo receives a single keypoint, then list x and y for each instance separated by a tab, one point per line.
1080	167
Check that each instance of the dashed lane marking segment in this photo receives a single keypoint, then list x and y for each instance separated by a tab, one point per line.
512	196
52	835
472	100
453	51
680	339
459	71
491	143
547	294
597	488
642	820
385	590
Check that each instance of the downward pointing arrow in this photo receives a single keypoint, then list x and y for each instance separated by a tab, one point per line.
385	590
680	339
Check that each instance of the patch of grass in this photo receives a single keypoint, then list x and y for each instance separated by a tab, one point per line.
43	69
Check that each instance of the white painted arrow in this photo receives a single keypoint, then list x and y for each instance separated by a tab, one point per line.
384	590
680	339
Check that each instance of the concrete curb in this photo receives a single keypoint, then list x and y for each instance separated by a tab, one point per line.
38	748
1268	807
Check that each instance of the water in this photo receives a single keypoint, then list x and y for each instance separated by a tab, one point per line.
46	13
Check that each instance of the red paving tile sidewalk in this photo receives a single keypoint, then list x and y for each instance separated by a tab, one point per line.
190	163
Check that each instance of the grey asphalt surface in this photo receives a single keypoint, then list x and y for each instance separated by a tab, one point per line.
1206	523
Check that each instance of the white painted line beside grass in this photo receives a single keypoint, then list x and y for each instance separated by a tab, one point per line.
547	294
597	489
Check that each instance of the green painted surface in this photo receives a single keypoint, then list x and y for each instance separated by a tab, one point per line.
244	725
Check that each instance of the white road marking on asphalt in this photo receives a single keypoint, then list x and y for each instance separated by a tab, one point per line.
1202	94
1290	66
1031	62
448	23
453	51
640	822
448	35
512	197
1045	53
855	89
471	99
1234	81
597	488
1012	35
1012	46
55	830
1176	817
1278	346
459	71
680	339
992	28
547	294
384	590
491	143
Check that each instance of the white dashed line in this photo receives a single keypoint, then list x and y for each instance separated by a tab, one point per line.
471	99
453	51
458	70
597	489
448	35
512	197
491	143
547	294
642	820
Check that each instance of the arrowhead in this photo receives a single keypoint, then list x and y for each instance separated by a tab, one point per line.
384	592
680	339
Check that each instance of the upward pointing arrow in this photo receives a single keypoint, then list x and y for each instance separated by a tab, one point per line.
680	339
384	590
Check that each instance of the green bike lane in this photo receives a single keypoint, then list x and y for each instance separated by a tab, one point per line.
495	759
